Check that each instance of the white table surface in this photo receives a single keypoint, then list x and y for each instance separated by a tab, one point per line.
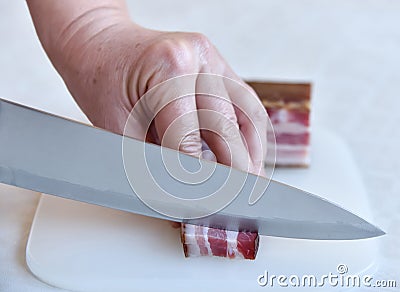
348	49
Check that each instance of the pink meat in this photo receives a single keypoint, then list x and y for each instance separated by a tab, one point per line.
218	242
247	244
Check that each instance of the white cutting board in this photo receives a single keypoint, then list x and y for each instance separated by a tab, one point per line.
81	247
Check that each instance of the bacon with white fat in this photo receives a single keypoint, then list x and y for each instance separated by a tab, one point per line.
288	107
205	241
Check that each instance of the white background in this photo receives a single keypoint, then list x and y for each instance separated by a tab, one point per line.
348	49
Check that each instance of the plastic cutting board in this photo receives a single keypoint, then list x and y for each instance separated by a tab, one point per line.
81	247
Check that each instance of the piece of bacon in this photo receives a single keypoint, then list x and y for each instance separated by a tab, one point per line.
206	241
288	107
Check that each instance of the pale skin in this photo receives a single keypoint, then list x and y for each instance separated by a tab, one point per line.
108	63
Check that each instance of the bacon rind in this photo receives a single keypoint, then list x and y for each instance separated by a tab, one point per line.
281	91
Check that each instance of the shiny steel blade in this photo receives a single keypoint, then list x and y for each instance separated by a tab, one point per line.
53	155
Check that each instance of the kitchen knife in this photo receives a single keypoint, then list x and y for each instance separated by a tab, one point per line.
54	155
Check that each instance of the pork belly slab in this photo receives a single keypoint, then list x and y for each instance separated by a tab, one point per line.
205	241
288	107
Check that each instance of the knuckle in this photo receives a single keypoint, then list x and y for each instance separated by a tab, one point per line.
180	53
176	56
258	115
203	46
191	144
229	129
221	122
200	40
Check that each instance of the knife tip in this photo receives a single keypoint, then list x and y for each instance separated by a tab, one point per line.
374	231
379	232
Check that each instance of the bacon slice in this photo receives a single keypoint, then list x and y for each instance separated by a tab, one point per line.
288	107
205	241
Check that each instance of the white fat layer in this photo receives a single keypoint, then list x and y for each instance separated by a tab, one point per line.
189	234
207	244
231	237
290	147
292	160
291	156
192	250
282	116
290	128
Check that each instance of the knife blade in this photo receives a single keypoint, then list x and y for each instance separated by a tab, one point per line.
57	156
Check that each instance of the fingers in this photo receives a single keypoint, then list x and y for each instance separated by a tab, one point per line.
169	100
173	106
232	120
248	112
178	126
235	130
219	124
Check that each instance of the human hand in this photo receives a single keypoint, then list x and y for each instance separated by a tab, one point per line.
119	68
109	64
